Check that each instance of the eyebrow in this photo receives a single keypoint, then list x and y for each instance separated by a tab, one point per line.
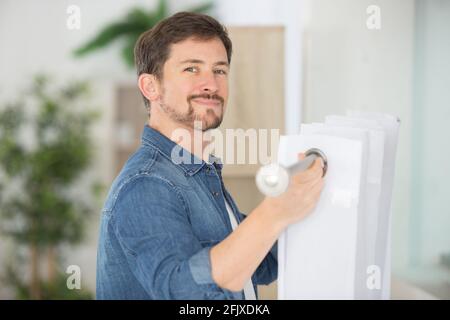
218	63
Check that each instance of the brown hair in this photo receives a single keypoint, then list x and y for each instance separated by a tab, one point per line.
152	49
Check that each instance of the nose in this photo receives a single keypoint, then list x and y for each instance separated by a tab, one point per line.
209	83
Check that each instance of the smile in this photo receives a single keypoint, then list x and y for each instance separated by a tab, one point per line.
207	102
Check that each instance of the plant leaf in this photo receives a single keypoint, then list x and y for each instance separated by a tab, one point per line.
161	10
128	52
108	35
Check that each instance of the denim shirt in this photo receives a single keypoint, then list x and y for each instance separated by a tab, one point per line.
159	223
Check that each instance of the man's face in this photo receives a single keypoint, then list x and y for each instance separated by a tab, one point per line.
195	83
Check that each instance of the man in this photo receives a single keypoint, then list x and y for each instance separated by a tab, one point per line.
170	230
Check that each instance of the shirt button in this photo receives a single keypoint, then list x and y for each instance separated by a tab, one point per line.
215	193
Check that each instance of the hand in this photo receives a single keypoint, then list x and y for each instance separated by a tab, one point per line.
301	197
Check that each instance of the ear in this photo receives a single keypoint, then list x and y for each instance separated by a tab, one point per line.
149	86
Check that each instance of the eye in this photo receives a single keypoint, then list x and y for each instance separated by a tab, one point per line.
191	69
220	71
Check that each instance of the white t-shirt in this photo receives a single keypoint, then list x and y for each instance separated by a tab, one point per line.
249	291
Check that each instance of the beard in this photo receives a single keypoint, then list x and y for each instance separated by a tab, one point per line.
191	118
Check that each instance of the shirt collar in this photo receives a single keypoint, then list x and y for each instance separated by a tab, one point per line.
153	137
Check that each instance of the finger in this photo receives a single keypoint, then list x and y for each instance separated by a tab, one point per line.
320	166
316	189
314	183
307	176
301	156
313	172
319	182
319	162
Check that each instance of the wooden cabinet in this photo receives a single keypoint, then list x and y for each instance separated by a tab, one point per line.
256	100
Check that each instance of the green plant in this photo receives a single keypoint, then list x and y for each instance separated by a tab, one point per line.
129	28
48	290
36	208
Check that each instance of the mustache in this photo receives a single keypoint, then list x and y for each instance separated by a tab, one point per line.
206	96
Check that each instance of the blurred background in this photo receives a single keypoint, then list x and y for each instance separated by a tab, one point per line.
71	114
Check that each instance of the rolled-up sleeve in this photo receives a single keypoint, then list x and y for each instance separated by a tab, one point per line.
151	223
267	271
